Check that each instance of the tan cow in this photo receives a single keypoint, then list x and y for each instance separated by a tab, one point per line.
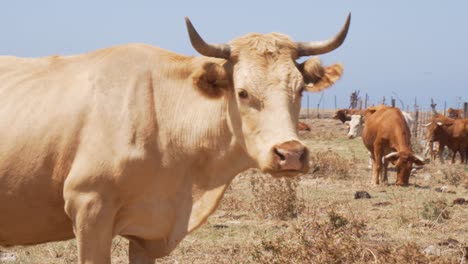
387	137
141	142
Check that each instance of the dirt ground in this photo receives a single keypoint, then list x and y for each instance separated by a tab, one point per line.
315	218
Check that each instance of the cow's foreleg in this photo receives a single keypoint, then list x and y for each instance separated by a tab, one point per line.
93	222
454	154
377	157
384	172
377	169
441	153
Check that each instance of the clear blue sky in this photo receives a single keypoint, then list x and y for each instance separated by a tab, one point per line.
411	48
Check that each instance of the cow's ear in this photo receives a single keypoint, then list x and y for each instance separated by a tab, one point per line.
211	79
317	77
371	110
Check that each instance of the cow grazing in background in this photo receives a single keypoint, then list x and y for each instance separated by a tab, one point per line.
388	139
449	132
301	126
455	113
345	114
142	142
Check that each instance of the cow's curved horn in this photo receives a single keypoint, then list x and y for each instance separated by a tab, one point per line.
391	155
321	47
210	50
426	125
416	156
439	123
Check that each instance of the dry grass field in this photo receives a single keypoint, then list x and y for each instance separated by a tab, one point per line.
315	218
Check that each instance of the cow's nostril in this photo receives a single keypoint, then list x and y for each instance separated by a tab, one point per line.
304	155
281	156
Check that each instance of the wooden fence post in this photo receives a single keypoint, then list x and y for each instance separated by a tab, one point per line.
445	108
416	122
365	101
465	109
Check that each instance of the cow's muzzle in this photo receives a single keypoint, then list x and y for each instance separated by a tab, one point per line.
291	156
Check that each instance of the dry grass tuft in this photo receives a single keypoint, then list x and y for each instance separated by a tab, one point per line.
436	210
306	241
330	164
454	175
275	198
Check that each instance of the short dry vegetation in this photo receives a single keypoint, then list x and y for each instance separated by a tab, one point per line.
316	218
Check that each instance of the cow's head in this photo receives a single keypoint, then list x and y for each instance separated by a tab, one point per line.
342	115
264	86
435	128
404	164
454	113
355	126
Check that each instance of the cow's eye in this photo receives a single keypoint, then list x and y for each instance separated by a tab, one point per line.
243	94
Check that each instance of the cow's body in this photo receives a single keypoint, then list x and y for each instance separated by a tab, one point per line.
88	127
387	137
449	132
141	142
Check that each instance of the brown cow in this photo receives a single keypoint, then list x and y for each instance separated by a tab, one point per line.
449	132
345	114
387	137
140	142
301	126
455	113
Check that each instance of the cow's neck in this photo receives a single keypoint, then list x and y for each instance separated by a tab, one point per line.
194	133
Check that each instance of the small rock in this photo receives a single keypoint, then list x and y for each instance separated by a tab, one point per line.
460	201
444	189
362	194
382	204
450	242
432	250
426	223
7	257
220	226
427	176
